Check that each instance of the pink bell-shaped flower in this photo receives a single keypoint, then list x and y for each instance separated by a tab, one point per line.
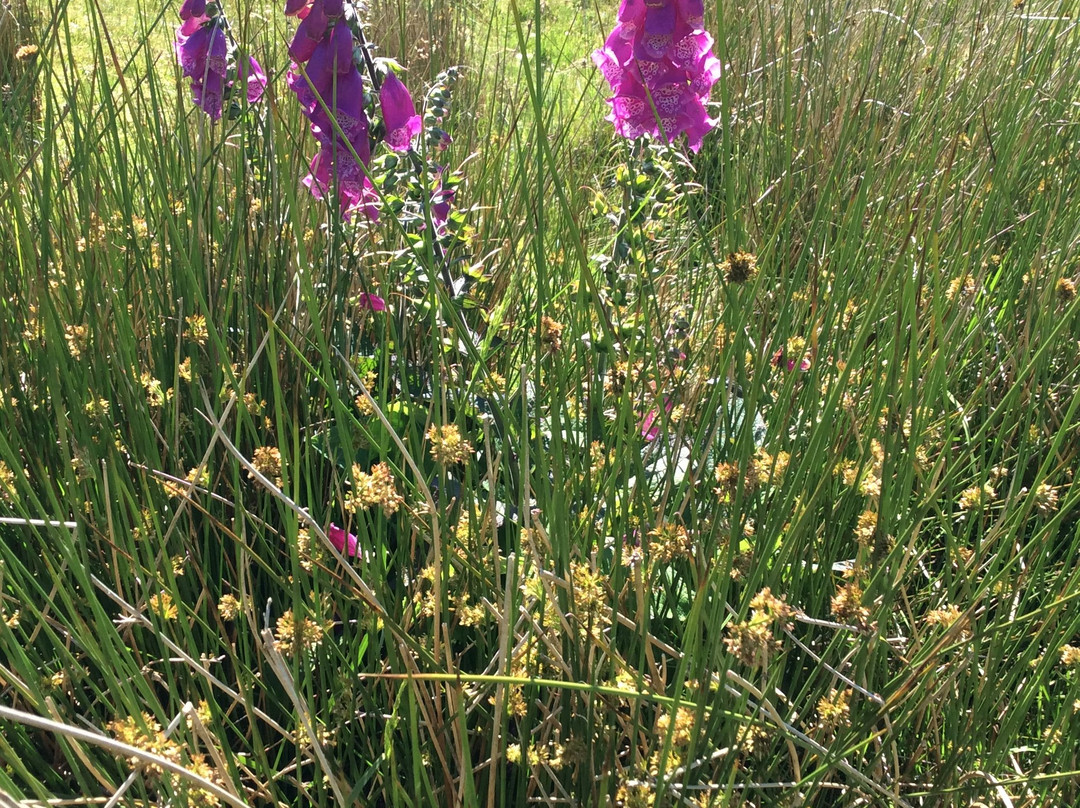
399	113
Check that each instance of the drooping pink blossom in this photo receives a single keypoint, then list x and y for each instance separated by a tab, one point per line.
659	63
297	8
650	426
330	90
399	113
254	78
203	57
354	189
309	33
192	8
345	543
373	302
442	201
206	57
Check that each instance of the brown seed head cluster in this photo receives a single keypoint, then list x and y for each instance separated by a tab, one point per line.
834	710
615	381
752	740
740	267
754	641
1046	499
309	552
683	730
962	287
155	395
1070	656
294	635
76	337
1066	290
848	607
196	328
865	528
943	617
447	446
976	498
162	605
373	488
551	334
147	736
635	794
589	597
267	461
469	614
364	405
730	479
669	541
228	607
7	483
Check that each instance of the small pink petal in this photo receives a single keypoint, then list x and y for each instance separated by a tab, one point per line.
650	426
344	543
373	302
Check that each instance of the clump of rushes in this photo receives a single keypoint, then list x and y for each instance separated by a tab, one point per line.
208	57
661	68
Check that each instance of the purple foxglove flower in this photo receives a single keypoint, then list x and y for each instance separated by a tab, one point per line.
204	59
609	64
297	8
693	11
399	113
203	53
441	201
331	95
344	543
631	10
660	19
193	51
659	63
334	54
344	100
191	25
254	78
192	8
330	57
209	95
309	33
354	189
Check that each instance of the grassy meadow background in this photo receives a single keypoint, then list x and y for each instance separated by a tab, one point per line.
845	573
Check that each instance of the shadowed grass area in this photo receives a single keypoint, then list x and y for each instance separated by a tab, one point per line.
743	477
